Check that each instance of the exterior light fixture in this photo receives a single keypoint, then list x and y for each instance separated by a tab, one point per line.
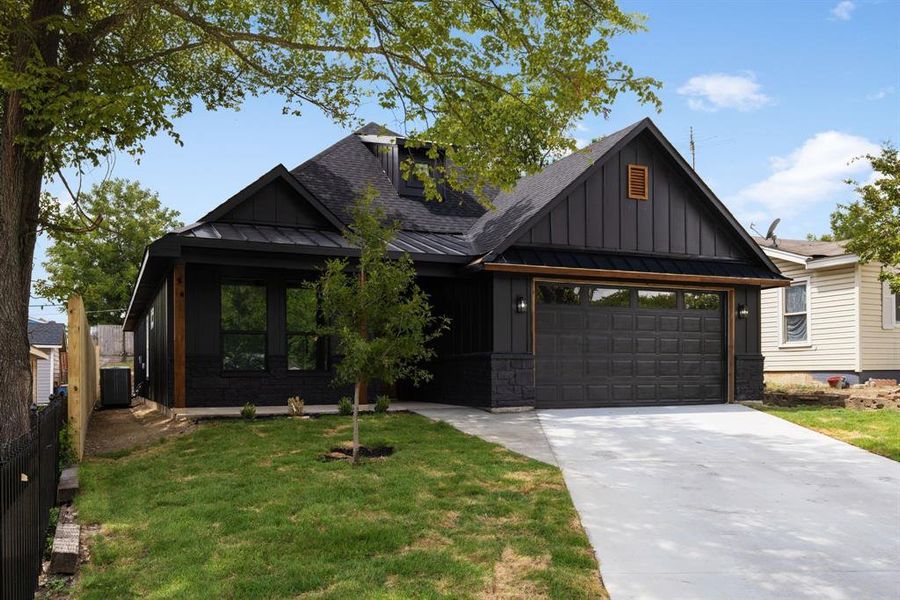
521	304
742	311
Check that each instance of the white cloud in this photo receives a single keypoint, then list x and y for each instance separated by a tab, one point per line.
881	94
842	11
809	180
713	91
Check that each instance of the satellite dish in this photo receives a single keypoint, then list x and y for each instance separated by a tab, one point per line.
770	234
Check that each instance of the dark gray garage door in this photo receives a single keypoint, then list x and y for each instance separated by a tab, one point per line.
609	346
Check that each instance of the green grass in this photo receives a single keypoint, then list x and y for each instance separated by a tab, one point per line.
246	510
877	431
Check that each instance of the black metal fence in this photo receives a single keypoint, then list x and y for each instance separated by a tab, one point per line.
29	473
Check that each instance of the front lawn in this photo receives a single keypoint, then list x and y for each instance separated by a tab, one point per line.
247	510
877	431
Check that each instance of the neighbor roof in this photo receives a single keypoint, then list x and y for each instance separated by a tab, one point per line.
48	333
808	248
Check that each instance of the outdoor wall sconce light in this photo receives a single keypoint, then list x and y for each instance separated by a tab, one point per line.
742	311
521	304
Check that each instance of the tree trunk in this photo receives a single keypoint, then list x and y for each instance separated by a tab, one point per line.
20	189
21	175
356	392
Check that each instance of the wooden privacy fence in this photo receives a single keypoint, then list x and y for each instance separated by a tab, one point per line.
29	473
84	373
115	343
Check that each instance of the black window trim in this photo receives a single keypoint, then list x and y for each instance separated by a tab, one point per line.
322	345
223	332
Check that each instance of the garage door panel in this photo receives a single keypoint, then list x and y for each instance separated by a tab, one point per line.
622	322
668	345
571	368
668	323
622	367
599	320
573	393
596	367
569	343
712	324
644	345
646	323
607	352
691	345
622	345
597	343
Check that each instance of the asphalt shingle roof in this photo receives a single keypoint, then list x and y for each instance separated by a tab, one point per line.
50	333
346	170
812	249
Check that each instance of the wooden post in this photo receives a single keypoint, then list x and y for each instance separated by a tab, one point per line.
178	340
84	374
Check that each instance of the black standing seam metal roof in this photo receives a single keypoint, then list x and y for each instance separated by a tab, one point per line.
442	244
620	262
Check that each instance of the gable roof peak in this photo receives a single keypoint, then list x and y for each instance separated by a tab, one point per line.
374	129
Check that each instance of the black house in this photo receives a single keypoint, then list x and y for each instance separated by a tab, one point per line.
613	277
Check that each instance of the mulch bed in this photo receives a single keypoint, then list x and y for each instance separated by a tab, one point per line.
344	453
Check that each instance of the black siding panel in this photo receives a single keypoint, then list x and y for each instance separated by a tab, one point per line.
594	210
676	219
611	204
277	203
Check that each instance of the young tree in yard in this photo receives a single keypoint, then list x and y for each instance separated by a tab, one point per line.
871	224
381	319
496	85
101	264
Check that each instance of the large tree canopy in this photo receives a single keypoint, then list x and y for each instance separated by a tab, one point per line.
497	84
101	264
871	224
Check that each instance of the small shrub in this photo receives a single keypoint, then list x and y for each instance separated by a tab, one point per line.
345	406
295	406
249	411
382	403
67	454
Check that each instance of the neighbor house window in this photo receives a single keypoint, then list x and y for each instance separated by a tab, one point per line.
796	313
243	327
302	341
657	299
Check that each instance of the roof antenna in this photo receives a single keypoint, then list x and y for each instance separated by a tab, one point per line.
693	151
770	234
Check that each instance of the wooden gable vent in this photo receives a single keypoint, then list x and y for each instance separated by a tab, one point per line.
638	182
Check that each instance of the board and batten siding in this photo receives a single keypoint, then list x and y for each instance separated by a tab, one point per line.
674	220
880	346
833	322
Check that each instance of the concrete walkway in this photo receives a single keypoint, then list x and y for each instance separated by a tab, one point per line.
227	412
728	502
520	432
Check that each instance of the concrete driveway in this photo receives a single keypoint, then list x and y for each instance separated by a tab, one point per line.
727	502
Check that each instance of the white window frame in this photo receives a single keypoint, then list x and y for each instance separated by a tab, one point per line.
889	303
782	305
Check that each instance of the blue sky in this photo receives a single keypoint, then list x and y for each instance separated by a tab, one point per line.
781	95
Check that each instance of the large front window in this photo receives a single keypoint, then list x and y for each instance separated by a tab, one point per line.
796	313
243	327
302	341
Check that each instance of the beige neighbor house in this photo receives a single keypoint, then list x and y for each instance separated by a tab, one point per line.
836	317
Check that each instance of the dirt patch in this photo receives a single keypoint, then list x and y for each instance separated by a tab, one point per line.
509	578
870	397
344	453
116	430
